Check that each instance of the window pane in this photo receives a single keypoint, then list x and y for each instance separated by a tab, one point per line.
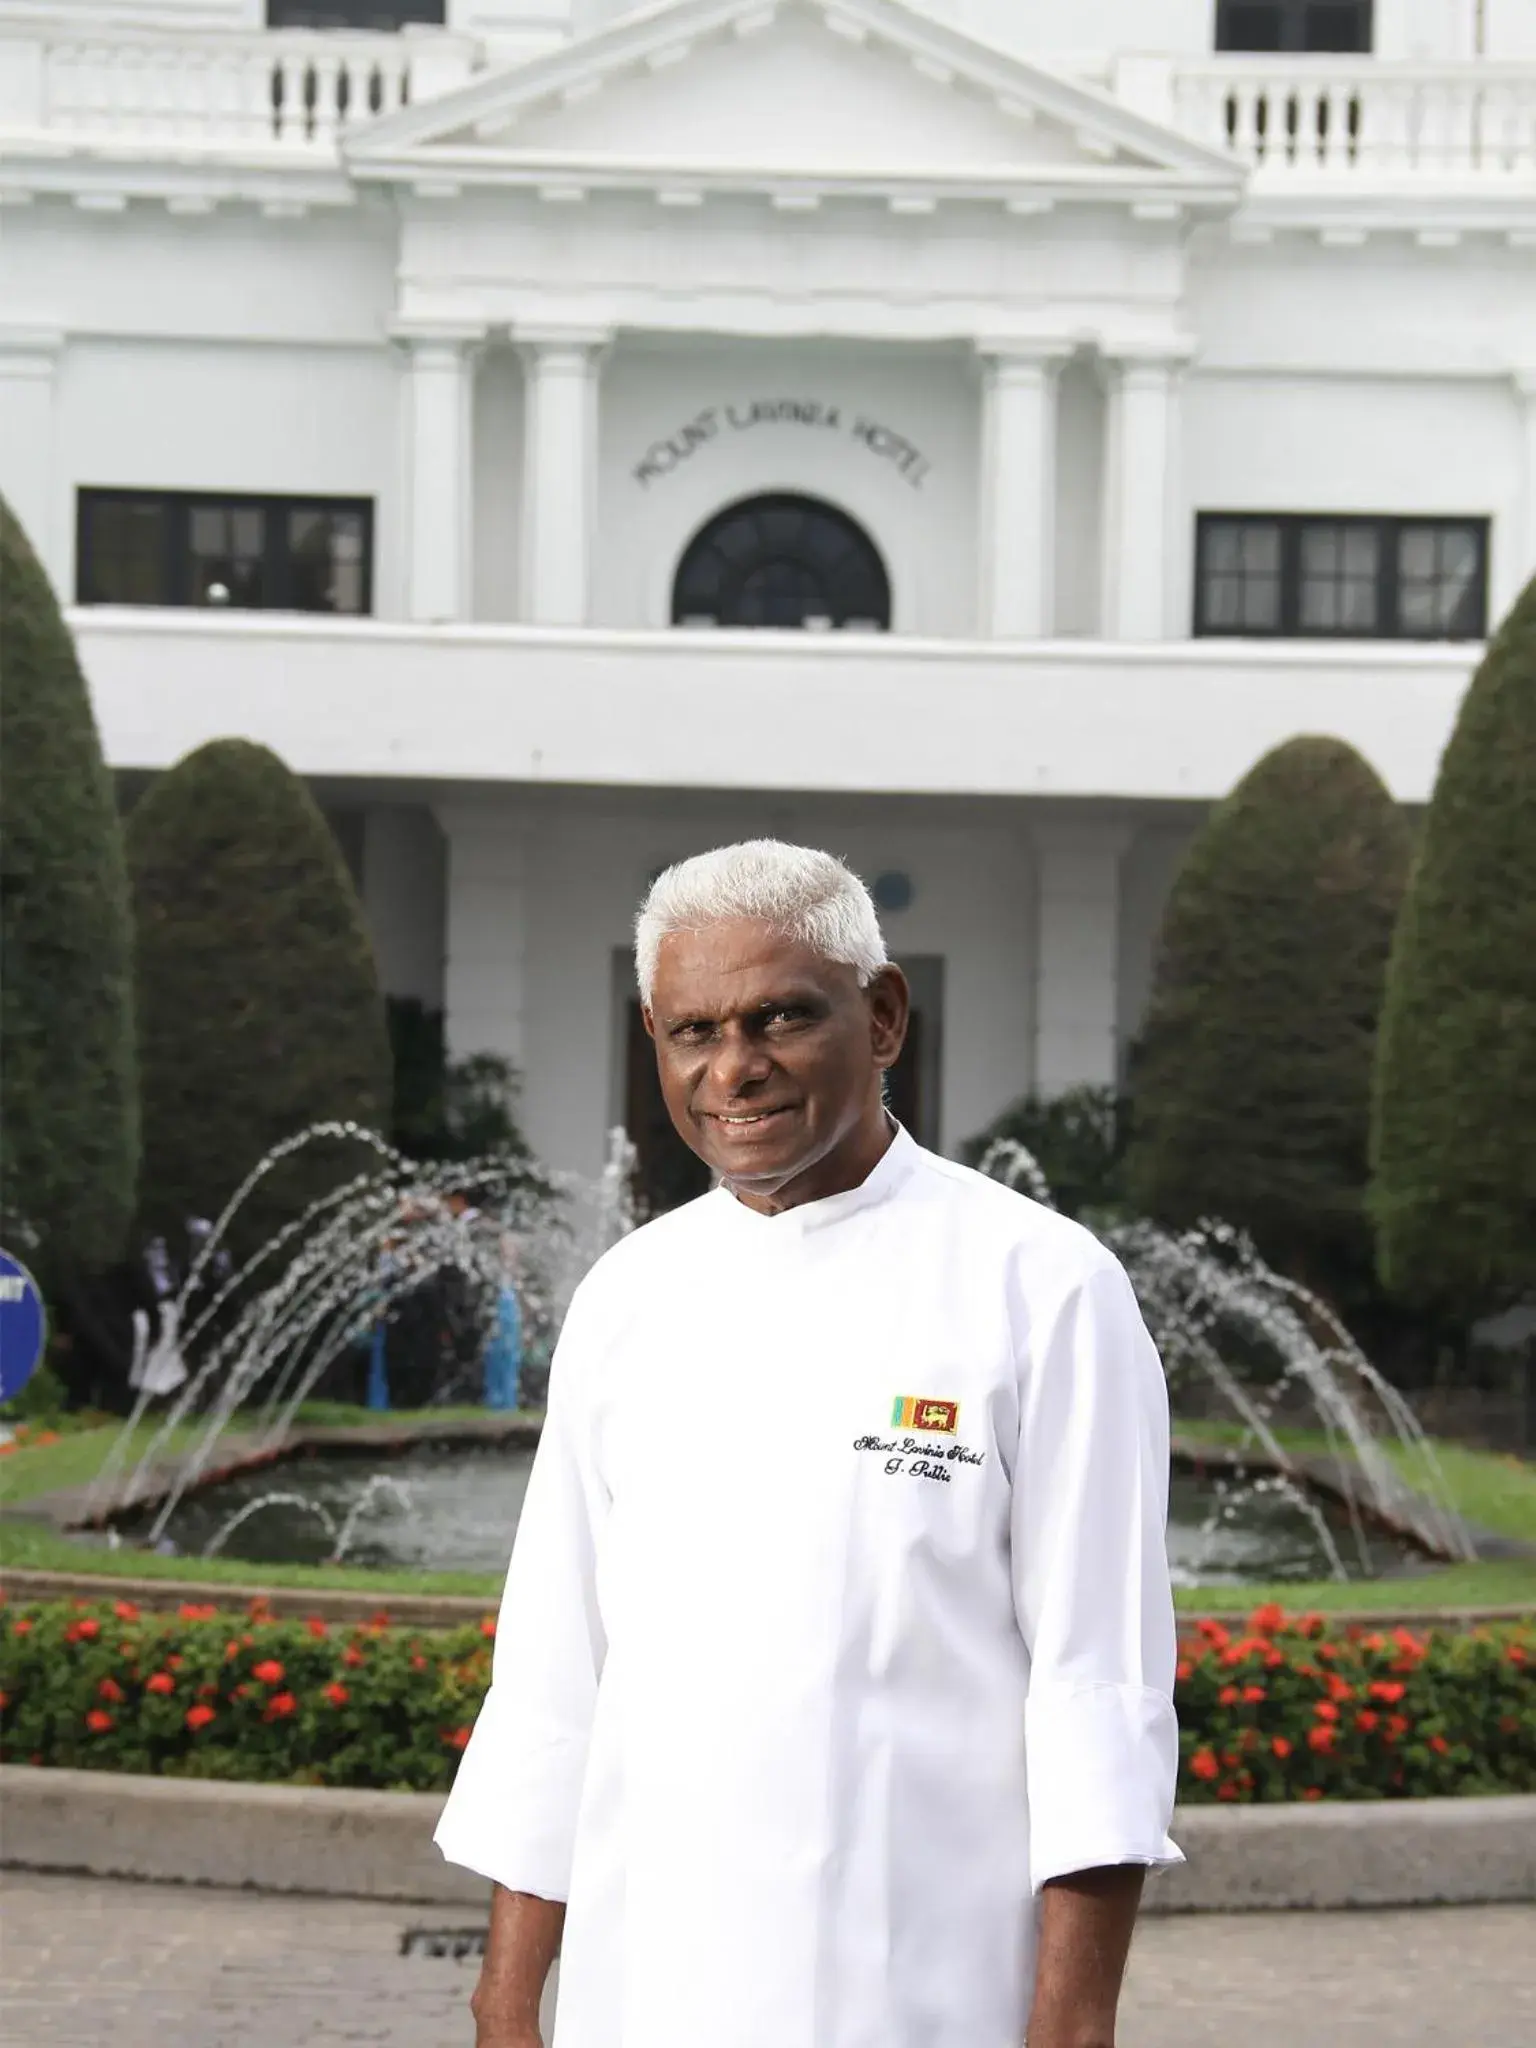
1439	582
124	552
325	560
1249	25
227	544
1242	576
1338	579
786	562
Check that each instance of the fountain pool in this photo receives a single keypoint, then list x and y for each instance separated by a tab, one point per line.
454	1507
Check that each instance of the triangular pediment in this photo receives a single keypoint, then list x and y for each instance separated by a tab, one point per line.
860	91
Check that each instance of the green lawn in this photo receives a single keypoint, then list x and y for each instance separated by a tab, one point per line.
1497	1493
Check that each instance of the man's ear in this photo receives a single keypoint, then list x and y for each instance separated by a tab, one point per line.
648	1020
890	1008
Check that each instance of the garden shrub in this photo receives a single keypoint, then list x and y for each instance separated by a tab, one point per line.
68	1086
1454	1129
1250	1083
1281	1709
259	1003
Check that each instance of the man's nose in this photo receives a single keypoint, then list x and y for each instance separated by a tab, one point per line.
738	1064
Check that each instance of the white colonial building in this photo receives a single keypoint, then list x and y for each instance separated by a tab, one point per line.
964	434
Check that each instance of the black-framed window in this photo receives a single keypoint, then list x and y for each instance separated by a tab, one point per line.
1296	575
226	551
1306	27
355	14
782	561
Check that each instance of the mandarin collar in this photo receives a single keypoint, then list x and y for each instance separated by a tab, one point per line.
890	1171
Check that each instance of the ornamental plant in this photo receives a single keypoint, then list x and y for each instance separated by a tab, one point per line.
259	1005
1280	1708
1454	1192
69	1100
1250	1083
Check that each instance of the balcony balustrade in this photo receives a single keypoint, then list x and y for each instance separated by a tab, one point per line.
1326	121
1332	120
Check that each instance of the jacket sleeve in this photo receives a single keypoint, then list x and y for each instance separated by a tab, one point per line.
511	1815
1091	1586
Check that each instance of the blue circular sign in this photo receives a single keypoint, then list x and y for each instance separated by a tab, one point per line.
23	1326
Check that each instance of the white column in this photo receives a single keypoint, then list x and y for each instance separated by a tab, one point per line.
28	359
441	369
1017	532
559	473
484	968
1077	954
1139	460
1524	566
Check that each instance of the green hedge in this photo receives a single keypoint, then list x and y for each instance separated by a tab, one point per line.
1280	1710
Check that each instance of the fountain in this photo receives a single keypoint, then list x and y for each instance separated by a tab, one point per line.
1196	1286
263	1332
252	1341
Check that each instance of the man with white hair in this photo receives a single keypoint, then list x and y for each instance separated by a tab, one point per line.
831	1701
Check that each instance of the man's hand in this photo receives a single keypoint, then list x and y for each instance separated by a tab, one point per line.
522	1944
1085	1937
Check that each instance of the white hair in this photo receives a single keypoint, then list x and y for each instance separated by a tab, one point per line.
807	895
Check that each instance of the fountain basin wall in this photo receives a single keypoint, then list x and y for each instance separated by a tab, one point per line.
466	1477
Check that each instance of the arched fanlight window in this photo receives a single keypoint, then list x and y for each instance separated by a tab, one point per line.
782	561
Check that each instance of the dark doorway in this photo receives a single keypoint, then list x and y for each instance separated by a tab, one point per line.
668	1174
782	561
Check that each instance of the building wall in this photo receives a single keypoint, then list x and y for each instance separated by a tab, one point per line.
653	496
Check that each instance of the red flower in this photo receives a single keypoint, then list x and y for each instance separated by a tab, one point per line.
268	1671
1228	1695
125	1610
1311	1791
1267	1620
83	1631
1389	1689
1203	1764
1281	1747
1325	1710
1184	1671
9	1448
1321	1738
1227	1791
1252	1693
174	1663
418	1662
190	1611
336	1694
458	1738
354	1657
22	1627
1337	1688
317	1627
207	1692
1515	1654
1213	1632
1439	1745
488	1626
198	1717
98	1722
1366	1720
109	1689
1397	1726
279	1706
5	1701
161	1682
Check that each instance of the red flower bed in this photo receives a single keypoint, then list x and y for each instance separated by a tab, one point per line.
1277	1708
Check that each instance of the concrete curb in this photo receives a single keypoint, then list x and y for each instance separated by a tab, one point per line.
454	1610
378	1845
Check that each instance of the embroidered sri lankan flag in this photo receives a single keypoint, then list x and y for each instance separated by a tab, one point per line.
914	1412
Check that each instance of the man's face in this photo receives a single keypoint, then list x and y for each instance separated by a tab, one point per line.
771	1058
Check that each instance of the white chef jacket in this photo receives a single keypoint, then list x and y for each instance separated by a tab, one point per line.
838	1619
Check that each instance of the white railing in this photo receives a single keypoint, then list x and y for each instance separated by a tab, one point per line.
1329	120
293	91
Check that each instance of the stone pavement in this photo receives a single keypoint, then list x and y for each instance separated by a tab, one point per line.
86	1964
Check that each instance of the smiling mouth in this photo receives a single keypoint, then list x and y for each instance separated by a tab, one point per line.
745	1120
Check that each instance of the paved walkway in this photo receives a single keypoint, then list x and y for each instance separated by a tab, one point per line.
91	1965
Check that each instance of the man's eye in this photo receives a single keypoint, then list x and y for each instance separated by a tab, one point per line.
789	1013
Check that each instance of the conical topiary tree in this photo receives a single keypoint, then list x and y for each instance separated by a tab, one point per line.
259	1003
1454	1129
1250	1084
69	1123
